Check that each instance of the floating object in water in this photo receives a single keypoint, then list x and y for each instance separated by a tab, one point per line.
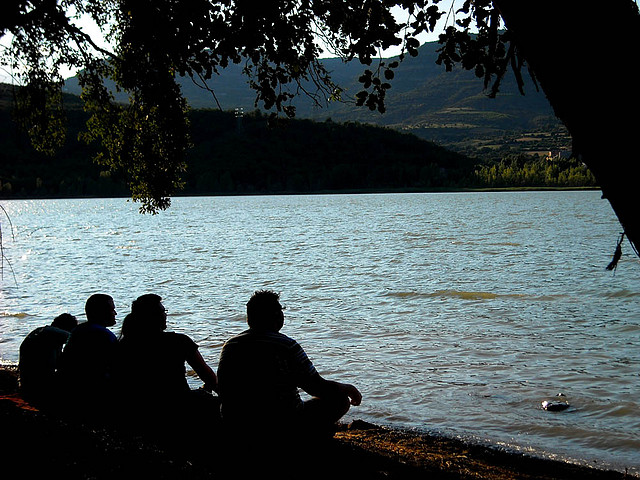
556	405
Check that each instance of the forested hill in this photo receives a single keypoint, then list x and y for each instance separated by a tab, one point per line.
251	155
449	108
246	155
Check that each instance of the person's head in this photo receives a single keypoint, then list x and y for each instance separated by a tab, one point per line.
132	327
149	313
100	309
264	311
65	321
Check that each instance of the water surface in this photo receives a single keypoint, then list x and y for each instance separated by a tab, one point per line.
453	313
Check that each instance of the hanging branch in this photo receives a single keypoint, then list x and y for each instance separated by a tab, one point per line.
3	257
205	86
616	256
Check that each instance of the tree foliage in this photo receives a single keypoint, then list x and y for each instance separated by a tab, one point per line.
478	41
526	171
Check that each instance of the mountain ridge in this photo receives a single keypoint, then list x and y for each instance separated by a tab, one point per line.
449	108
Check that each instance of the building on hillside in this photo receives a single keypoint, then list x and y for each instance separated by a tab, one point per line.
558	155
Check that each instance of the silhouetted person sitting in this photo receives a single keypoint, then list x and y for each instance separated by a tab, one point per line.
40	353
86	368
152	375
260	371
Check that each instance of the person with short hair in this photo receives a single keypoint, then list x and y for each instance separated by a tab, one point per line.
40	353
151	373
260	371
86	368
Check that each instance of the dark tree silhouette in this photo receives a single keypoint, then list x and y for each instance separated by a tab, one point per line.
584	61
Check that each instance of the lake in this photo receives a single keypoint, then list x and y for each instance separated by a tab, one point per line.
454	313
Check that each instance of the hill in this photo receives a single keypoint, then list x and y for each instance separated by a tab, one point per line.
245	155
449	108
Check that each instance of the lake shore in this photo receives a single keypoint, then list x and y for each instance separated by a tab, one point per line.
346	191
34	443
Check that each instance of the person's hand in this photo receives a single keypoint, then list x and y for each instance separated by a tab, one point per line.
355	397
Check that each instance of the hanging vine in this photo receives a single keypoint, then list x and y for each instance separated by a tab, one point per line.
3	257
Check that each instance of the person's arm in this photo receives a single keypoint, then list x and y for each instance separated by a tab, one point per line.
317	386
204	371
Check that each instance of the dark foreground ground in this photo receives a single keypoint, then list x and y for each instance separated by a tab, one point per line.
36	445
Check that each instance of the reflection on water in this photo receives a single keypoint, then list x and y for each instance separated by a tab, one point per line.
454	313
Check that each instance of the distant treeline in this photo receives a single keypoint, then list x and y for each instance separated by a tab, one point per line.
254	154
527	171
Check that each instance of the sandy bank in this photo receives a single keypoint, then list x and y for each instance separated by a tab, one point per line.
36	444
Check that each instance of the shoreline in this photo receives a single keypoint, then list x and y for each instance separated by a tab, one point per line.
35	443
321	192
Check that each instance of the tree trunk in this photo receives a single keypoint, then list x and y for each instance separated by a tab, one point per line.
584	58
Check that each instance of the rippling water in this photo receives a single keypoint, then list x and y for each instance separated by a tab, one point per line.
454	313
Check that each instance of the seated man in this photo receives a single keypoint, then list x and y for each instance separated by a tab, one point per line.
86	366
40	353
151	373
260	371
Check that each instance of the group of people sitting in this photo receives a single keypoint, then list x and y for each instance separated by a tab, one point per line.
139	378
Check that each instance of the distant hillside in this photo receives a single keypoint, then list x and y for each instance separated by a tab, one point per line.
337	148
250	155
241	156
449	108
